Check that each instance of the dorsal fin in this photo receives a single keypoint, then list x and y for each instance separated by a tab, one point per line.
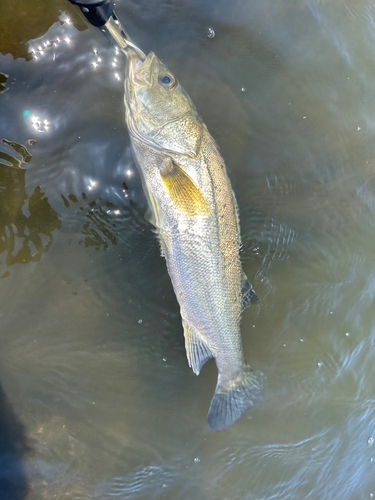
183	192
197	351
248	294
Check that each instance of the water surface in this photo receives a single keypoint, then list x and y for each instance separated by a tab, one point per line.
96	398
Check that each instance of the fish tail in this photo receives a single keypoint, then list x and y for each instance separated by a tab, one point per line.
231	400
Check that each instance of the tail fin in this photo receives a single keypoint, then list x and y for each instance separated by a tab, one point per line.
230	403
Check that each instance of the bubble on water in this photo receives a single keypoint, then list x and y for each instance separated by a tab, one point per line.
370	441
210	33
196	460
320	364
371	495
371	459
243	89
139	321
347	334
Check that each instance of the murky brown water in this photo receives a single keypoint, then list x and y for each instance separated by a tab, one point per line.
97	400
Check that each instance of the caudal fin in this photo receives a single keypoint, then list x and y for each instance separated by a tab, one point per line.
231	402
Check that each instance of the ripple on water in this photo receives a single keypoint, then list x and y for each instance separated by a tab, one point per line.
239	461
148	481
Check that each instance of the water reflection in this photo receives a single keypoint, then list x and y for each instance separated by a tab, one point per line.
100	224
26	222
3	79
23	20
18	148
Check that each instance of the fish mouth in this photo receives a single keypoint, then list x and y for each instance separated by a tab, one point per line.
141	70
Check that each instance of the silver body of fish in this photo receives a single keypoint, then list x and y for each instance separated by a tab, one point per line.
195	212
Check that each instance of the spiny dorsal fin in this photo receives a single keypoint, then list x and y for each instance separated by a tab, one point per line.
183	192
248	294
197	351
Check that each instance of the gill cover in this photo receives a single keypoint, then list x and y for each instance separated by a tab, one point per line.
159	111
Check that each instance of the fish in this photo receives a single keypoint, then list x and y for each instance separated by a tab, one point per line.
195	213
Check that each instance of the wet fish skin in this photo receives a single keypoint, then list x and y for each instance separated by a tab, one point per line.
195	212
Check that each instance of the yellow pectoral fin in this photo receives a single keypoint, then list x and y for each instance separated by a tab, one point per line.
183	192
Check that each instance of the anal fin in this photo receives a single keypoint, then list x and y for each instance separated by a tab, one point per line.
248	294
197	350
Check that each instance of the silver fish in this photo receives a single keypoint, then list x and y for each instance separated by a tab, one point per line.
195	212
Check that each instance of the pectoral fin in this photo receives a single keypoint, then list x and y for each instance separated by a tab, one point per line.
197	351
183	192
248	294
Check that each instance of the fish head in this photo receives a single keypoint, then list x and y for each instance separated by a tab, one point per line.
159	111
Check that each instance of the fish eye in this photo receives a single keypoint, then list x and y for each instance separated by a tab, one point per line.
168	82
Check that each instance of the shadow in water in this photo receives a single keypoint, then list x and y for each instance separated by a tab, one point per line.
13	448
26	223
